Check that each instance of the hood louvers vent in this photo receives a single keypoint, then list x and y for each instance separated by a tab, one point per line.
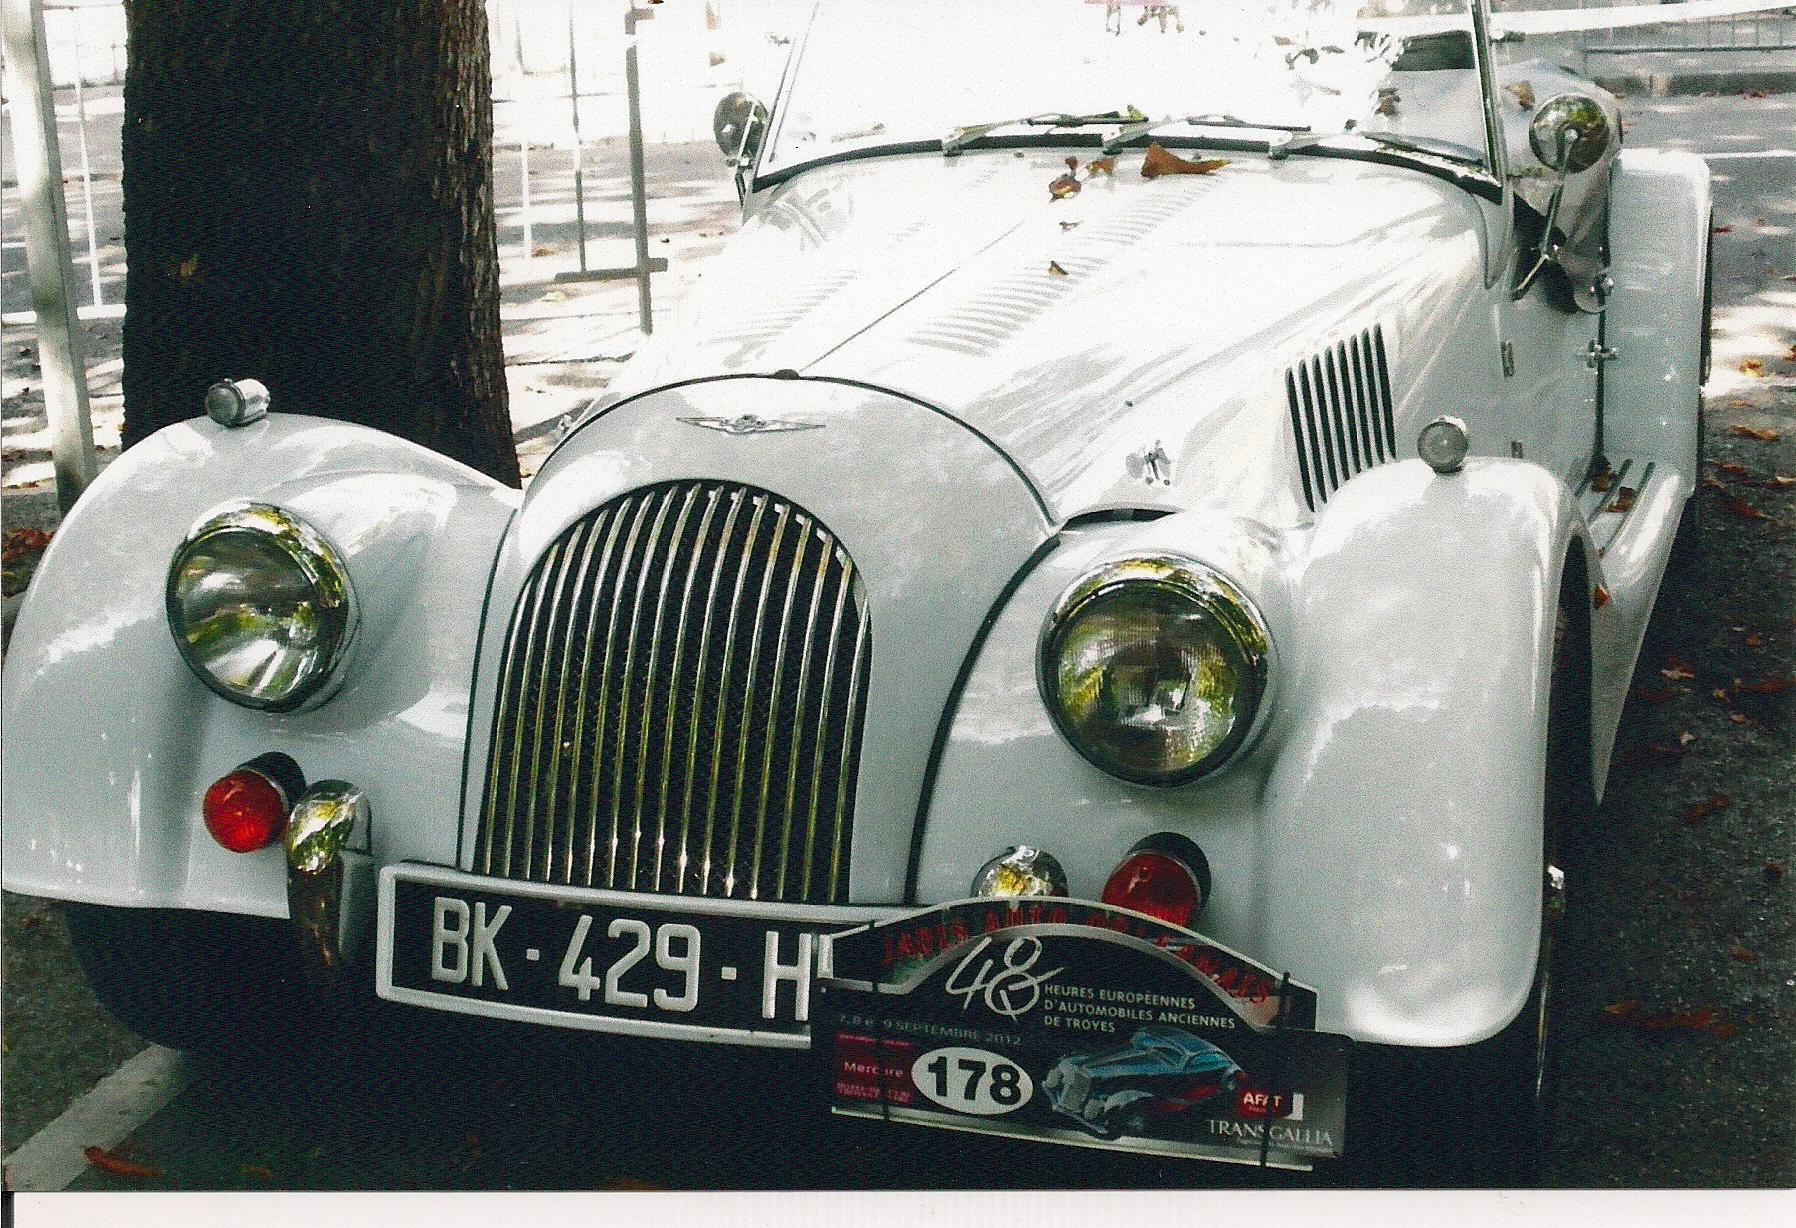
1341	413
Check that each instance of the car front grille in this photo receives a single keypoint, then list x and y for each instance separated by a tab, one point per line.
680	702
1340	403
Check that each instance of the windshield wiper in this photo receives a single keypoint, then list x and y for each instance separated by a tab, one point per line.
1389	140
1130	132
960	138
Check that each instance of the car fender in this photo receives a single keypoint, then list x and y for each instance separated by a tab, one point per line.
1658	238
102	798
1403	810
1381	838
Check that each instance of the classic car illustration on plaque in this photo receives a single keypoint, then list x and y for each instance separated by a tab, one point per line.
1221	468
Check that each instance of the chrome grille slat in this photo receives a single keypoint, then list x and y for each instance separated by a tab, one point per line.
616	517
799	725
1342	417
620	754
748	706
723	692
533	649
715	603
673	688
829	675
596	799
779	673
560	613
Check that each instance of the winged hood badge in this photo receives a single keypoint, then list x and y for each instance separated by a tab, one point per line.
751	424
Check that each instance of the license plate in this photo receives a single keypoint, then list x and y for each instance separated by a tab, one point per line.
724	970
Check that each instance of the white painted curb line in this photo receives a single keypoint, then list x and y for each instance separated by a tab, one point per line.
118	1104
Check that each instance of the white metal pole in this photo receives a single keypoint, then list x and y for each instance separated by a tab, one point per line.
87	171
46	220
639	204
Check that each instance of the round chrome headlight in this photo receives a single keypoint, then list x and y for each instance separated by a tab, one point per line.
1154	668
261	606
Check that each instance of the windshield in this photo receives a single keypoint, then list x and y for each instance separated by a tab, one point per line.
878	73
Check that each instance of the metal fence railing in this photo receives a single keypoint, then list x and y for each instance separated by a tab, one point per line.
1768	31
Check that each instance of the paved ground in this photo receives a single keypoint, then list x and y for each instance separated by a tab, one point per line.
1680	1034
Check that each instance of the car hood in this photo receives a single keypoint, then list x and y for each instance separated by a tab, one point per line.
1080	334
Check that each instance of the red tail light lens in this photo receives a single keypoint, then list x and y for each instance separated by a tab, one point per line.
244	810
1158	882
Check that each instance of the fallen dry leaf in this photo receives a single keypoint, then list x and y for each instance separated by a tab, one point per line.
1770	686
1738	718
1763	434
1702	810
1720	695
1659	696
1755	640
1790	354
1055	269
1725	1031
15	544
1745	510
543	249
1599	597
1755	94
1389	102
108	1162
1732	468
1162	161
1624	499
1741	955
1712	482
1685	1021
1622	1010
1524	94
1778	481
1774	872
1685	738
1677	670
1721	230
188	269
1603	482
1068	225
1100	166
1752	367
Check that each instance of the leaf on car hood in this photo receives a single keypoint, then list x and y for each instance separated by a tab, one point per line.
1745	510
1068	184
1162	161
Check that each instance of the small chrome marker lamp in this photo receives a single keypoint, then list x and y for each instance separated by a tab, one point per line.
237	402
1444	443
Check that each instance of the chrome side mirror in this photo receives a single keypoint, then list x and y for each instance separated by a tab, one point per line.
1569	133
739	123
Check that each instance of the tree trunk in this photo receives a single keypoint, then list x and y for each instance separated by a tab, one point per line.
309	201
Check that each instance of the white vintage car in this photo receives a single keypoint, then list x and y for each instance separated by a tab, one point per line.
1262	542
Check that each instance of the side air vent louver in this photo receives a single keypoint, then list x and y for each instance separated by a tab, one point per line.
1341	413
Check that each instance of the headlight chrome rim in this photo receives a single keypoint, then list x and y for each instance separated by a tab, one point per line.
321	565
1217	597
